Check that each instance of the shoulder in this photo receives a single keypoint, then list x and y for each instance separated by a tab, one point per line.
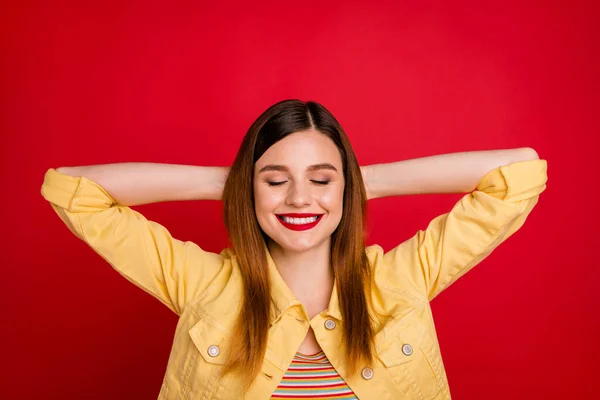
227	253
374	254
373	249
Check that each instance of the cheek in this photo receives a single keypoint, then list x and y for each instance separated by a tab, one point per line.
261	211
333	200
264	203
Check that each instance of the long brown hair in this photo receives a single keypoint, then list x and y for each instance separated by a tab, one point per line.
350	264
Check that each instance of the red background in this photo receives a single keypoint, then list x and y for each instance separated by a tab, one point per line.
140	81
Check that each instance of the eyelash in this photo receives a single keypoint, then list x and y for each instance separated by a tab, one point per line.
282	182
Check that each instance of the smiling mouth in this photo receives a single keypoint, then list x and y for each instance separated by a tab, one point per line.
301	223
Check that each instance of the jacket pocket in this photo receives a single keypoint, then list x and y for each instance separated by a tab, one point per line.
212	342
407	357
205	360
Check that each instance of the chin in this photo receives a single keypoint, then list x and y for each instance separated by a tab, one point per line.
300	246
296	246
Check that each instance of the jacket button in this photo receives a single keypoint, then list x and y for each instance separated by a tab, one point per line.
330	324
407	349
213	351
367	373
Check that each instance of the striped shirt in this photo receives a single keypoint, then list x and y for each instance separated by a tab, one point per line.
312	377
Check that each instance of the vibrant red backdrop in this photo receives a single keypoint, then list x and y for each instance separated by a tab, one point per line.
181	83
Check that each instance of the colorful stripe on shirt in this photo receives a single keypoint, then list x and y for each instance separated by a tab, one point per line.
312	377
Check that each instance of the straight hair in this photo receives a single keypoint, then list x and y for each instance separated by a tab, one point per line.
351	268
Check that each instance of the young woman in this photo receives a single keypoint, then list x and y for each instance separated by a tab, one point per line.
298	307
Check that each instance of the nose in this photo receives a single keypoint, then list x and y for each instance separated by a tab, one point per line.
298	195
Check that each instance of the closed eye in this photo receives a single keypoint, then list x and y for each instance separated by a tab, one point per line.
282	182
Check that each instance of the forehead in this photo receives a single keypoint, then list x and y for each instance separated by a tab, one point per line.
302	149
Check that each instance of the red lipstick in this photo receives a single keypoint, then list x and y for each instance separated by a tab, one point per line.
299	227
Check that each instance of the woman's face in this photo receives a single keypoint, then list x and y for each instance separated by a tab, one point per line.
299	190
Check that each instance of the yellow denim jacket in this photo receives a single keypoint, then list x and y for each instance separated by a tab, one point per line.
204	288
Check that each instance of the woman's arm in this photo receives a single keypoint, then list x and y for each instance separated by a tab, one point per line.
445	173
141	250
133	184
503	187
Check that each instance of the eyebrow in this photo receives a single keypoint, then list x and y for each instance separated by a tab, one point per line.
316	167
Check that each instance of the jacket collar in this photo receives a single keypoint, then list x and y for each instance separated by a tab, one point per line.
282	297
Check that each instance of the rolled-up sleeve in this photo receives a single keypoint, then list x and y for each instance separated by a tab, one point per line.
455	242
143	251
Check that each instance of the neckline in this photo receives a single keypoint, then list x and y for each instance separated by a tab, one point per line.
310	355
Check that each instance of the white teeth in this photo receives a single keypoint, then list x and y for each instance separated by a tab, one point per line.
300	221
